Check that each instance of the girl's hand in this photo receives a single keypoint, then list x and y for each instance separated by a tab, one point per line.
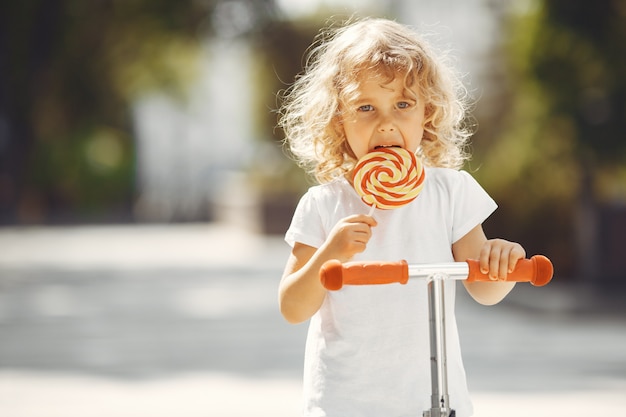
300	293
498	257
349	237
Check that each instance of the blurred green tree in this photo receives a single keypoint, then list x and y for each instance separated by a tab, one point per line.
69	70
556	151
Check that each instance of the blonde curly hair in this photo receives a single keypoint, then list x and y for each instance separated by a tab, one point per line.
310	115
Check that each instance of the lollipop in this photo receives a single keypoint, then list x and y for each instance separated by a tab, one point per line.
388	178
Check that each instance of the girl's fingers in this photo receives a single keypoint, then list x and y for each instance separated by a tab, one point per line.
363	233
484	257
499	257
494	263
516	253
503	267
362	218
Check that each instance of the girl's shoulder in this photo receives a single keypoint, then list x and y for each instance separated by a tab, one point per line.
446	175
455	184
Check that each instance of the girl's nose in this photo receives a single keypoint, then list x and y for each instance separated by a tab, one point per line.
386	125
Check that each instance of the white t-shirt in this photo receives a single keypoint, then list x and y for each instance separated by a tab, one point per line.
367	351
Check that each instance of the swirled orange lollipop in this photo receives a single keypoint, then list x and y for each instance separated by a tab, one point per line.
388	178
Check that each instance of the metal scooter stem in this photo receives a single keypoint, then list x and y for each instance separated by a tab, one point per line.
437	274
440	400
452	270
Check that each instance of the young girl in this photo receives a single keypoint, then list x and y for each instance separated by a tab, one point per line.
370	84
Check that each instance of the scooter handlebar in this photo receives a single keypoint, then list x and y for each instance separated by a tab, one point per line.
537	270
334	274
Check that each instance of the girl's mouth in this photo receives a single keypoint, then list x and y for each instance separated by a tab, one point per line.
386	146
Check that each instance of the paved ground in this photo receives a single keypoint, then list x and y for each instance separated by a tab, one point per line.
150	321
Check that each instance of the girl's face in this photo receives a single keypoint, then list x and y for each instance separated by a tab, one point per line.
383	115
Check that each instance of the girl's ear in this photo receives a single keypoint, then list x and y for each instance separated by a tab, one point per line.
429	110
428	137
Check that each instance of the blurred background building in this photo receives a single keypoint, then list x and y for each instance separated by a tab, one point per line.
158	111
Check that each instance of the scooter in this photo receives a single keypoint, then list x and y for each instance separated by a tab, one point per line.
537	270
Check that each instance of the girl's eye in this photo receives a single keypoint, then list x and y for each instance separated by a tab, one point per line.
366	107
403	105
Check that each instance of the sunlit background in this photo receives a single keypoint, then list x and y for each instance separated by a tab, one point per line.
144	191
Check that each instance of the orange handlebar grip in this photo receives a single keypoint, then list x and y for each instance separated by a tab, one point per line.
334	274
537	270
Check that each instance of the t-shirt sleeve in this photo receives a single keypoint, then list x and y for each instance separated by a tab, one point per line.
472	205
306	225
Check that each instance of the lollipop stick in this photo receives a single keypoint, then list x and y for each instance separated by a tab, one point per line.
371	212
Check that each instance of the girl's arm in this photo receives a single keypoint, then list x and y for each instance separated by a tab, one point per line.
497	257
300	293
